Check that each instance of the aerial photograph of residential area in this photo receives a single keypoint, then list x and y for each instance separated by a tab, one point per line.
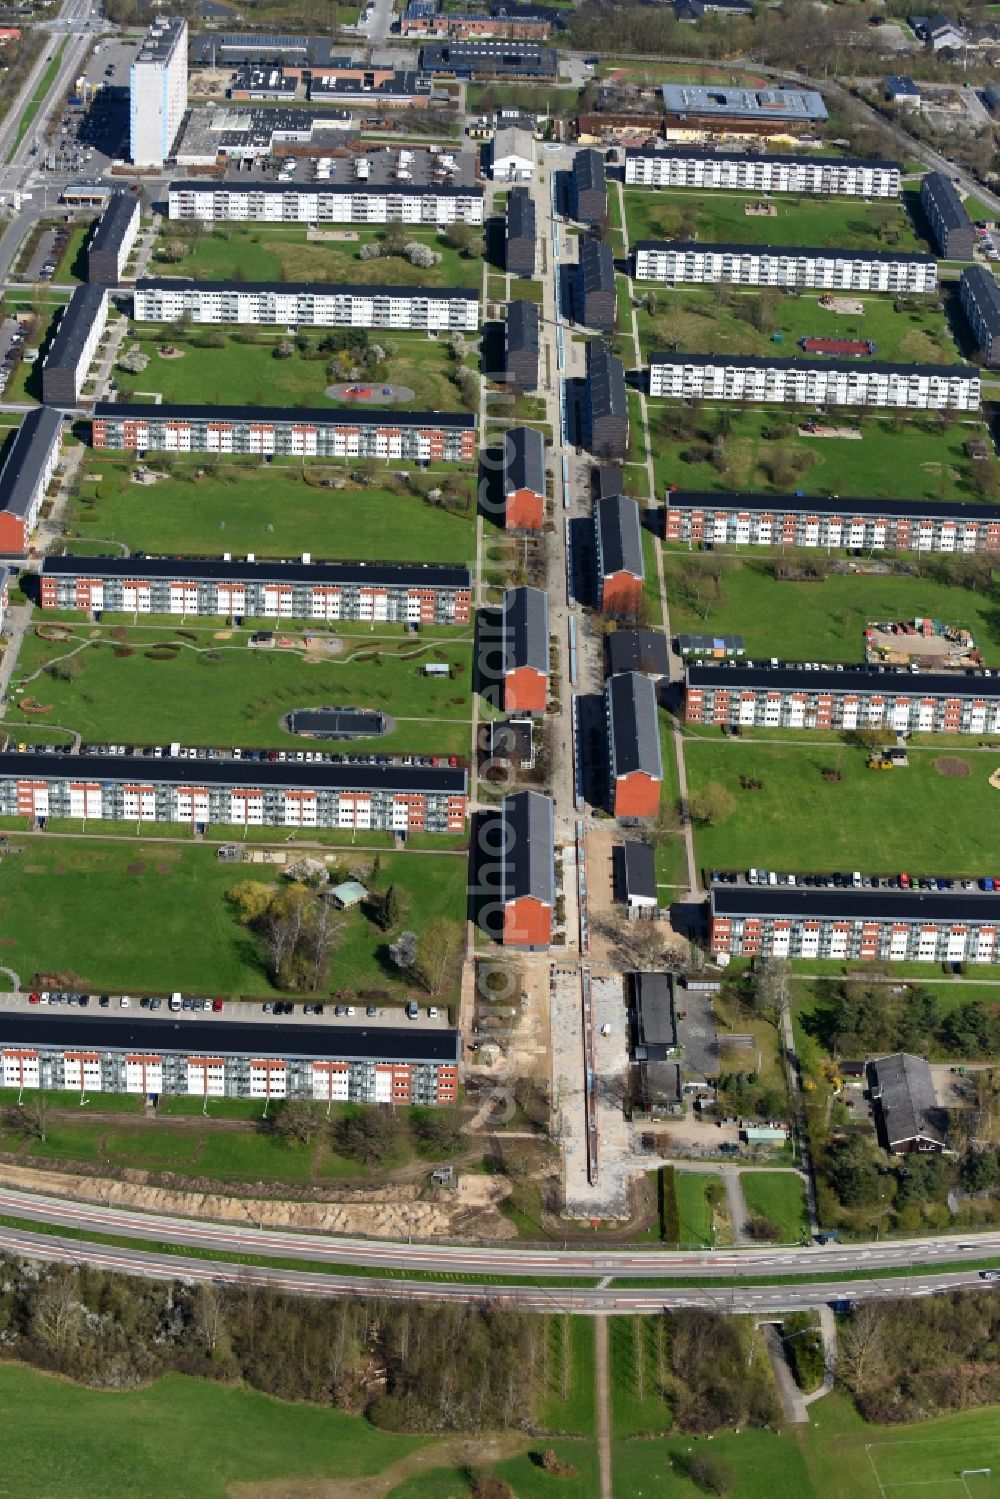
499	749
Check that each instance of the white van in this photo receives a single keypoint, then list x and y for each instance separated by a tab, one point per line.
175	1000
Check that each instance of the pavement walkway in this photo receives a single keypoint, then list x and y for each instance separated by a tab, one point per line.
602	1405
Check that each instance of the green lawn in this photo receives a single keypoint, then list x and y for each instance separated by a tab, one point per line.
779	1196
639	1349
694	1211
271	511
909	459
264	252
822	621
246	373
718	217
55	901
915	819
702	322
36	101
221	692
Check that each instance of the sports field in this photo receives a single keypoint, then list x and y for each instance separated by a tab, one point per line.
719	218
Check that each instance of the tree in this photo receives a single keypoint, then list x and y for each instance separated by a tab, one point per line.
763	1230
708	1472
770	988
373	1135
389	910
439	948
711	803
403	952
852	1172
253	899
438	1130
283	349
297	1120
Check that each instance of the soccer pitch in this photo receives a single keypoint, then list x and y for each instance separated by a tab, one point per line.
947	1465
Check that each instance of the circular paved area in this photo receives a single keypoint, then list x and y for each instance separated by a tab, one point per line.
373	393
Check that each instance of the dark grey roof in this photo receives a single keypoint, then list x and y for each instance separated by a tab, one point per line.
119	1032
588	171
619	536
825	504
267	773
360	189
862	678
521	330
26	457
404	83
528	868
198	569
688	643
339	723
703	247
520	214
693	153
904	1089
526	629
746	362
114	223
524	460
805	903
507	738
596	265
606	381
520	58
608	480
634	725
640	870
84	308
325	416
901	83
638	650
949	207
980	286
656	1033
306	288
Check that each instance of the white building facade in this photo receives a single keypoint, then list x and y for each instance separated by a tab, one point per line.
691	263
158	92
745	172
324	203
274	304
689	377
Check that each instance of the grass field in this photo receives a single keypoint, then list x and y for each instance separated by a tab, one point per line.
915	819
700	322
270	511
223	693
779	1196
822	621
174	927
918	459
265	252
248	374
718	217
694	1211
640	1374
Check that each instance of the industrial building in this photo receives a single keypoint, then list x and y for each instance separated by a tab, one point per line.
158	92
698	112
520	233
803	696
285	304
742	171
355	202
527	870
692	263
980	297
521	345
830	522
588	188
596	292
525	635
604	415
71	352
524	479
404	89
234	793
635	763
290	431
401	594
110	245
490	59
618	548
738	377
30	462
952	231
74	1051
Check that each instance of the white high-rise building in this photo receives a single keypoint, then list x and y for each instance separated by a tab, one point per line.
158	91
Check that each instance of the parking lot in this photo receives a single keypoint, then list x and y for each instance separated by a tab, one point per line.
855	880
319	1012
11	346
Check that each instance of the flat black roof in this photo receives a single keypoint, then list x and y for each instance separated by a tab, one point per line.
638	650
861	678
748	362
276	774
709	247
119	1032
421	575
306	288
26	457
82	311
640	870
383	189
807	903
267	416
826	504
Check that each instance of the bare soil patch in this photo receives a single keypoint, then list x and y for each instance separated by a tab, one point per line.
137	868
955	770
455	1452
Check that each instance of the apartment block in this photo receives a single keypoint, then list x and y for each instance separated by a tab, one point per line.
882	926
618	547
395	593
521	345
952	231
158	92
72	350
520	233
742	171
357	202
31	460
980	297
111	243
692	263
527	874
635	762
289	431
525	635
524	479
278	304
909	387
234	793
588	188
755	694
830	522
604	413
176	1056
596	292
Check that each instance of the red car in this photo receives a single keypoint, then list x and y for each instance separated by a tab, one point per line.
452	759
32	999
904	882
217	1005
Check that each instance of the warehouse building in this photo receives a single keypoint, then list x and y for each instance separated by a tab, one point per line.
524	479
525	650
980	297
828	521
234	793
520	233
618	547
696	112
691	263
284	304
71	351
605	424
490	59
428	594
882	926
111	243
742	171
404	89
596	292
289	431
737	377
635	764
137	1053
31	460
952	231
754	694
521	345
527	873
358	202
588	188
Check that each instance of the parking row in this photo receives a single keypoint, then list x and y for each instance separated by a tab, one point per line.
854	880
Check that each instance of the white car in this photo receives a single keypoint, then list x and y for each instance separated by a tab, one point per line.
124	1001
